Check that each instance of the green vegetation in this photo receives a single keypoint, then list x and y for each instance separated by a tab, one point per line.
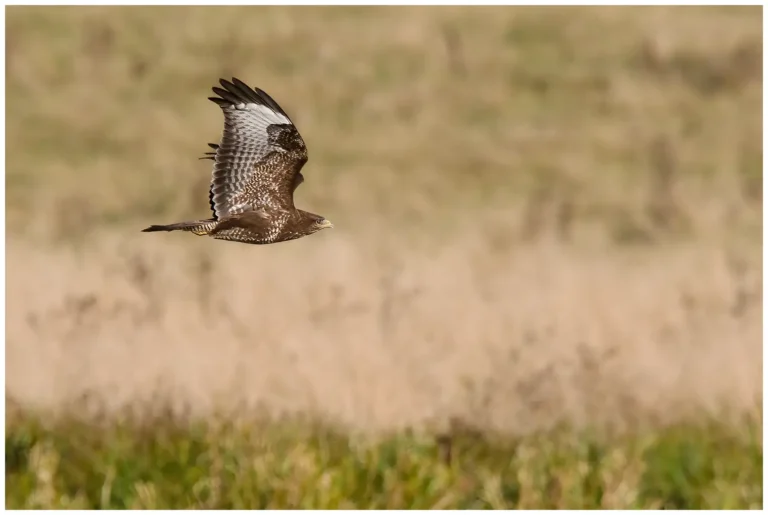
294	465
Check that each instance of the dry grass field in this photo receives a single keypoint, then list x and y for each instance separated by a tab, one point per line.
545	218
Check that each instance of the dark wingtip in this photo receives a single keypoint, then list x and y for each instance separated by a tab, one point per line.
237	91
211	155
238	82
154	228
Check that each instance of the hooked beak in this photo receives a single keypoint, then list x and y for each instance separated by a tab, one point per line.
326	224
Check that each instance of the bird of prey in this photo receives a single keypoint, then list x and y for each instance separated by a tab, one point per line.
257	168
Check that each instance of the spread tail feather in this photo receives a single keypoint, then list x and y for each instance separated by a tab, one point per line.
198	227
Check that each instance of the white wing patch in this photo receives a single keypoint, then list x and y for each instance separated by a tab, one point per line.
263	112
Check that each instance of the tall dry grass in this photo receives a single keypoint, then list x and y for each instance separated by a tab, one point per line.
543	215
514	340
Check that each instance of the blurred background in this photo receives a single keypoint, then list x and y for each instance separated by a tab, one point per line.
543	215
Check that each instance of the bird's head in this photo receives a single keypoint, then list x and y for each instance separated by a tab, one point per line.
317	223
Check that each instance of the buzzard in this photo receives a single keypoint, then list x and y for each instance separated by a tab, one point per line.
257	167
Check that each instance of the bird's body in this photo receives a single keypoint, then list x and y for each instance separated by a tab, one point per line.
257	168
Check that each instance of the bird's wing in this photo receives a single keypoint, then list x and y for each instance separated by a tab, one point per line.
297	180
258	161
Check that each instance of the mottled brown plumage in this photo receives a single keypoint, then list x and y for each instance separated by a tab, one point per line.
257	168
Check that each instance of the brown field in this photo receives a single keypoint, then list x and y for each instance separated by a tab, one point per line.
542	215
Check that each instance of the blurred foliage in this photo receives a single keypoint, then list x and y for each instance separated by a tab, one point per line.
418	114
167	464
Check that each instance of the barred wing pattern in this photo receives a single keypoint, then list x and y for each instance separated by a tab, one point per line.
258	162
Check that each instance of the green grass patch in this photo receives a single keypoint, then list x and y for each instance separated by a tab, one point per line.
174	465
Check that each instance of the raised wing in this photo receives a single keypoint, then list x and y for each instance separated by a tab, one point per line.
258	162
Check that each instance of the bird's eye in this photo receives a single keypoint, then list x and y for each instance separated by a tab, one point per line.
320	221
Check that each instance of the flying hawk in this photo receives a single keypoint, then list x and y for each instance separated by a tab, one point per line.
257	167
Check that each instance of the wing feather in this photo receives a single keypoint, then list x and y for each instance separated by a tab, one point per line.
258	160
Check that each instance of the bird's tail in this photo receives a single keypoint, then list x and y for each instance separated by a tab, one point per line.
198	227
